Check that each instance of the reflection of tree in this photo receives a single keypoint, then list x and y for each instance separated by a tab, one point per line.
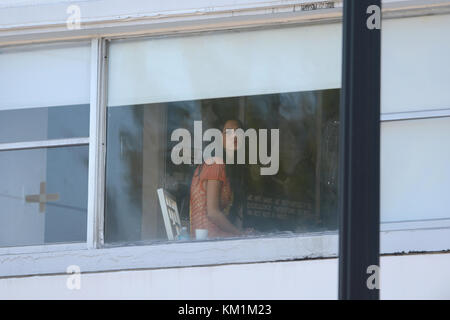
131	153
308	149
330	158
124	174
293	114
112	227
177	178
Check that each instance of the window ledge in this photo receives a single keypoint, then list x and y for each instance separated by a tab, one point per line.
167	255
202	253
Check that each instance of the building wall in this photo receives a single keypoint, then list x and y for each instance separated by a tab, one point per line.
423	276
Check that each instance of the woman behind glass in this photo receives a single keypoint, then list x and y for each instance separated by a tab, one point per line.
217	192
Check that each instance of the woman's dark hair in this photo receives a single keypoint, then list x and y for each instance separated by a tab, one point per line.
236	174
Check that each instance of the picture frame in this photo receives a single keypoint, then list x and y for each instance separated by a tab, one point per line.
171	216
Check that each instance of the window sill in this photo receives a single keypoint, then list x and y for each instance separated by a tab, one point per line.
168	255
216	252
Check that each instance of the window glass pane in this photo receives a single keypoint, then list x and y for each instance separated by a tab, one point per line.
280	84
35	76
44	123
415	171
300	197
43	195
415	64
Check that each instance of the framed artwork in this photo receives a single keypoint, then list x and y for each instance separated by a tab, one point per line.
170	214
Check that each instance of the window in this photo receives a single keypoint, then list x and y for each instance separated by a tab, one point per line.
416	122
44	144
265	80
420	171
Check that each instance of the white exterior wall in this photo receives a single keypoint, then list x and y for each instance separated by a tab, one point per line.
402	277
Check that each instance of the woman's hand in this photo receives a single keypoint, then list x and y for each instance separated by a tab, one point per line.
213	210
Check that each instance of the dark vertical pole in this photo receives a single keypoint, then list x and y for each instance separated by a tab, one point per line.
359	174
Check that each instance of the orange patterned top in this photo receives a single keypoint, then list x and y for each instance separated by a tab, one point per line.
198	215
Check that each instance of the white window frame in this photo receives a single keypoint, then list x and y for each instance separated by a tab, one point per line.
94	256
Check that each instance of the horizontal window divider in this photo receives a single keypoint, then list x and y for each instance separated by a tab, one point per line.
44	144
411	115
415	224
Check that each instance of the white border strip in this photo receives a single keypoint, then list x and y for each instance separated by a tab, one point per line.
93	142
415	225
399	116
43	144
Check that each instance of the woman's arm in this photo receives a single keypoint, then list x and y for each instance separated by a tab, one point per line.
212	208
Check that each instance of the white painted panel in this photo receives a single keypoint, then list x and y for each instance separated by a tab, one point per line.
45	76
225	64
402	277
415	64
313	279
415	277
415	170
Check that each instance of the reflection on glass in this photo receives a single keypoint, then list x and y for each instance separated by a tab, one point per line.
34	124
300	197
43	195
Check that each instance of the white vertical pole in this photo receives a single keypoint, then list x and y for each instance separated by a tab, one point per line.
97	138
